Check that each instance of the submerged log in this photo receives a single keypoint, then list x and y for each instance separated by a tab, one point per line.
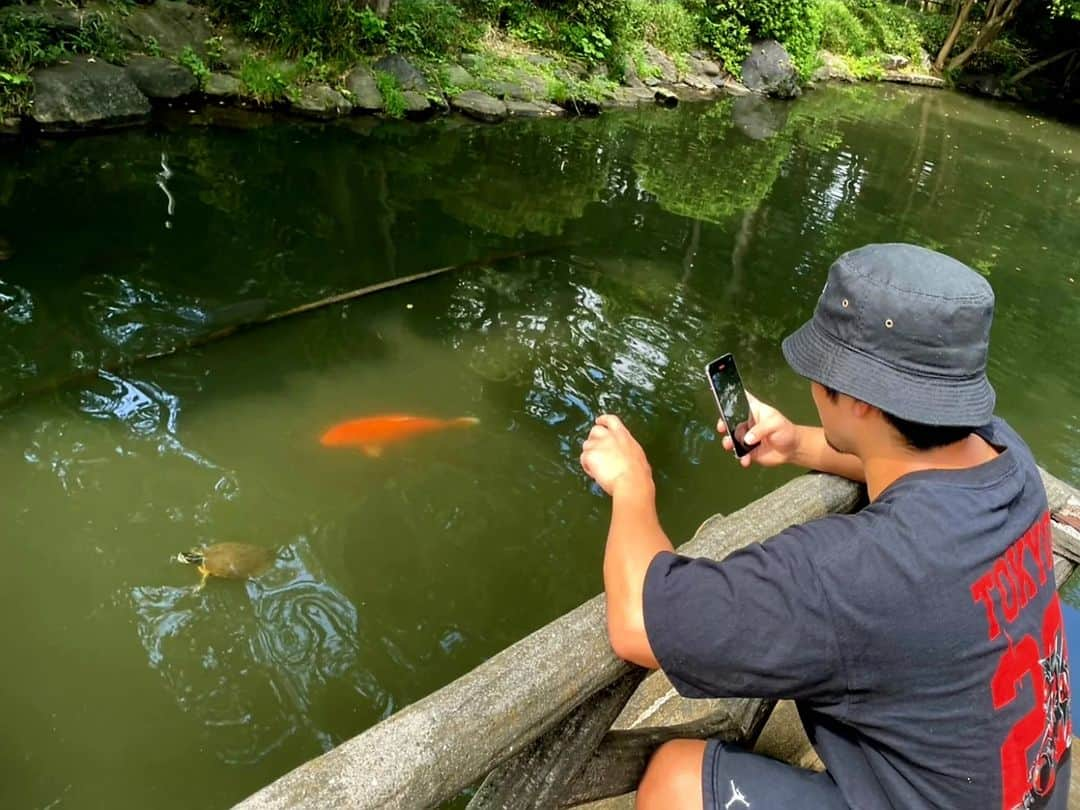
263	320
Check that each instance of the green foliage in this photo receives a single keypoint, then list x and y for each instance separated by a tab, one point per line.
841	31
933	30
393	97
333	29
861	29
193	62
1005	55
97	35
727	36
1065	8
667	24
372	29
26	42
728	27
865	67
151	46
429	28
215	52
263	79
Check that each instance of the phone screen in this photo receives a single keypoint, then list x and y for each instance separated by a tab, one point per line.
734	408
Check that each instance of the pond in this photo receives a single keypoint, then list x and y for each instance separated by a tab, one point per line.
646	242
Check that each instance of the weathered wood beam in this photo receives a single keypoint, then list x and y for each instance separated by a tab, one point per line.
618	763
538	776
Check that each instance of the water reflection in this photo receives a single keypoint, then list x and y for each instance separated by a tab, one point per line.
259	662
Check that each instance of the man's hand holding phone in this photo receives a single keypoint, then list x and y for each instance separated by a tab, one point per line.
773	438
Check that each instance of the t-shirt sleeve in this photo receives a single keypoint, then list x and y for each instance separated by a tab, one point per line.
756	624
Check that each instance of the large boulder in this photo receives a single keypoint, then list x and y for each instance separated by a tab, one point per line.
418	107
55	19
365	93
457	76
768	70
221	86
533	109
659	67
894	61
159	78
320	101
408	77
173	25
86	94
832	68
480	106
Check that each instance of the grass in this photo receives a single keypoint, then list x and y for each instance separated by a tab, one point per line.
265	80
393	96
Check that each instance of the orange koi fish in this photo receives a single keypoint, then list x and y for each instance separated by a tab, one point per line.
371	434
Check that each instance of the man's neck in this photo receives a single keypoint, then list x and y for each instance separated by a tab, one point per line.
889	462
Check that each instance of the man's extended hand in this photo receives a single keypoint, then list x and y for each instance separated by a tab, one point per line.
612	457
775	437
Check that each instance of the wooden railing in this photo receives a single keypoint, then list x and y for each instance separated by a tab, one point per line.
533	723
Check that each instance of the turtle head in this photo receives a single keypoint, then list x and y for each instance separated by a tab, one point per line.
190	557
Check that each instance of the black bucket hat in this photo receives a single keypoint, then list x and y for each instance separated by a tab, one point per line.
905	329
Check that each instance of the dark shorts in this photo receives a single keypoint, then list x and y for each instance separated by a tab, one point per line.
735	779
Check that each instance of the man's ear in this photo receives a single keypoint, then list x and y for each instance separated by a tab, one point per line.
861	409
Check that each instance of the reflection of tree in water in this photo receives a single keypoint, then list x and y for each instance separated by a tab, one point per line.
261	661
531	178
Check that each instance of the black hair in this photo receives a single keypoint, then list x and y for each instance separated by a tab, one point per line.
917	435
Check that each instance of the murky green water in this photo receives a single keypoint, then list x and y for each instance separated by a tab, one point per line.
672	237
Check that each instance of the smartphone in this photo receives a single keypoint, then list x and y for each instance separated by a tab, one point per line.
727	388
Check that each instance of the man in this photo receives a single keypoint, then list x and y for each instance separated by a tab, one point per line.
921	637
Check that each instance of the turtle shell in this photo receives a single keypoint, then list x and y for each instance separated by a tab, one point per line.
236	560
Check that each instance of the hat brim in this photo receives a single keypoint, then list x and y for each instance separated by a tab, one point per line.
944	401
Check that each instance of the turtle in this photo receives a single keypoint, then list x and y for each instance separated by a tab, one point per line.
229	560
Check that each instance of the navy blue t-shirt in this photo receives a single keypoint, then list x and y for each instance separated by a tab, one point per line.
921	637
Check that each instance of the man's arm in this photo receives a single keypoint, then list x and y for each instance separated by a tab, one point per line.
814	453
616	461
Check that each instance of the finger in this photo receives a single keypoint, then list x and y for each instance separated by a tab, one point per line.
745	460
598	431
727	443
585	464
721	428
611	422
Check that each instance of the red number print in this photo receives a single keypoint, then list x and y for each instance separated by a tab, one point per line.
1048	722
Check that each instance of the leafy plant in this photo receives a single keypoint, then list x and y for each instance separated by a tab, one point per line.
97	36
215	51
263	79
334	29
393	97
372	28
193	62
151	46
842	33
429	28
667	24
